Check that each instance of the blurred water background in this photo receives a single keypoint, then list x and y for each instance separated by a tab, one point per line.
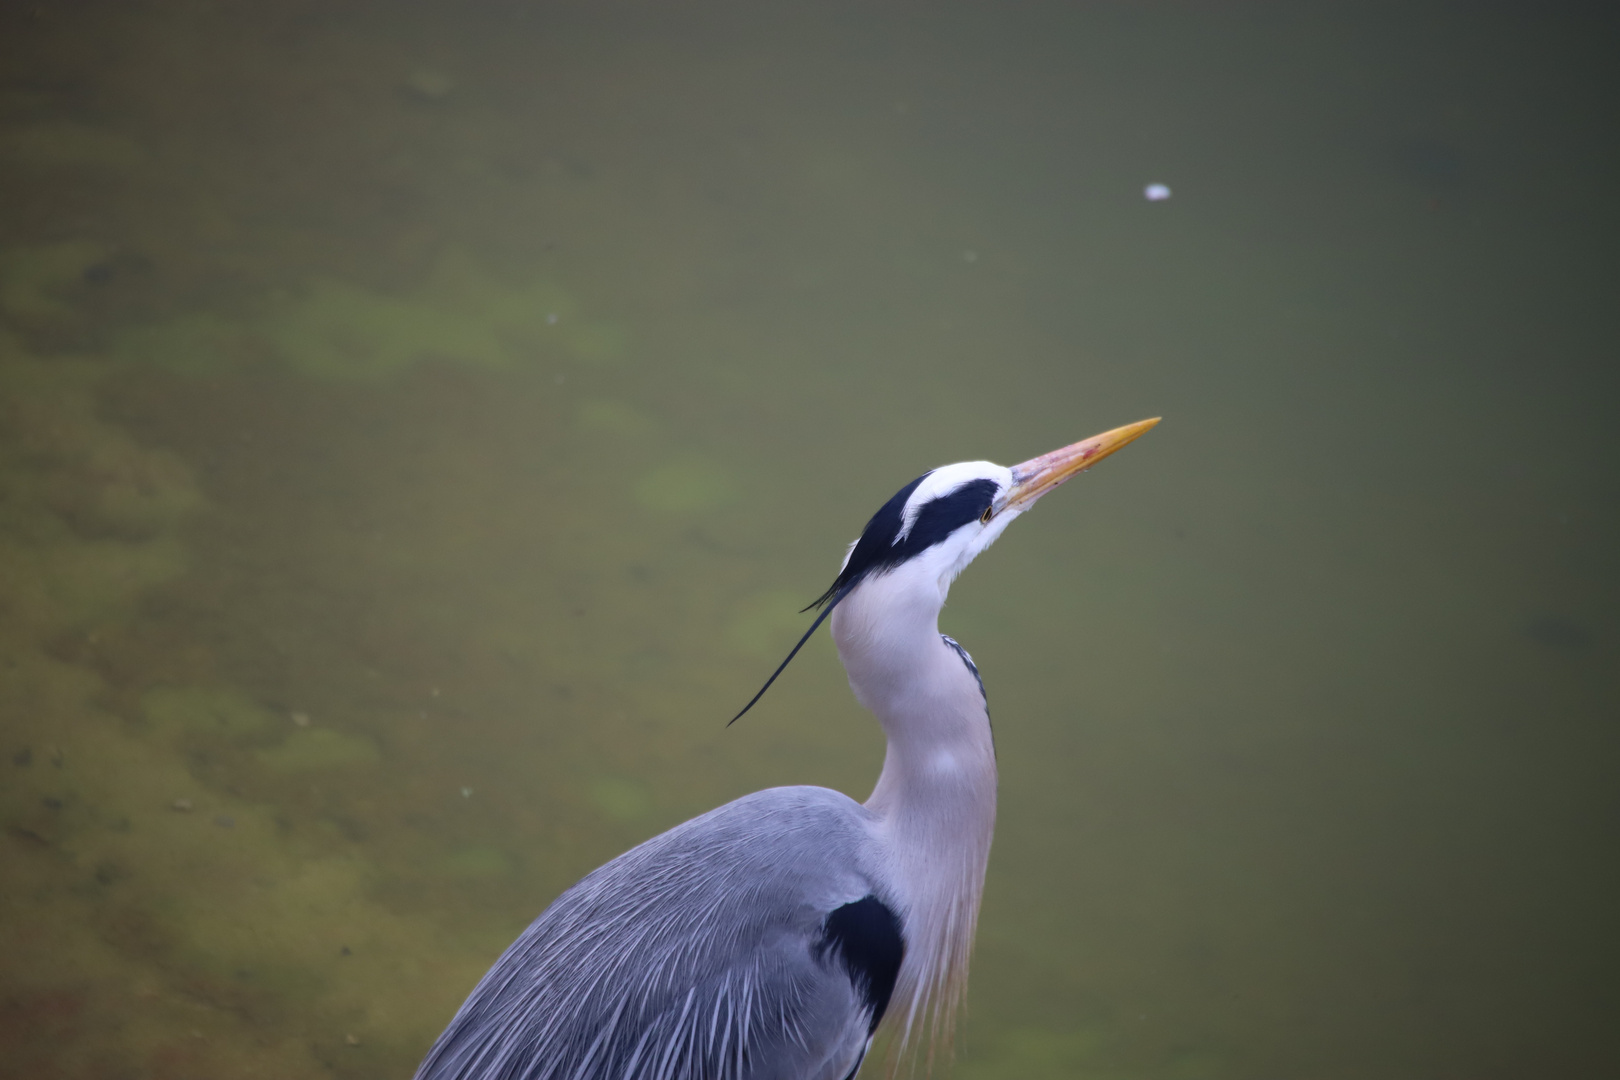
420	424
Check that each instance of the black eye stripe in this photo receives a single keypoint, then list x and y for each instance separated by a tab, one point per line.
877	550
940	517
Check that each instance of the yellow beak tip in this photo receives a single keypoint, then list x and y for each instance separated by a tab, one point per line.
1037	476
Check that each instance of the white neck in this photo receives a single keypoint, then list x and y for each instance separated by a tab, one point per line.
936	797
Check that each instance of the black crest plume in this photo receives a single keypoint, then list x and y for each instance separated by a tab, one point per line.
878	549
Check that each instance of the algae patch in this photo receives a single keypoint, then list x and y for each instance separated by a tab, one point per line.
478	862
685	485
197	710
35	281
315	749
619	798
616	418
339	330
195	343
88	518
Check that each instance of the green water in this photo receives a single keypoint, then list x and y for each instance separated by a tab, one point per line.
419	425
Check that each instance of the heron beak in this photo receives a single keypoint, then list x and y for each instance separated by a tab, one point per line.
1037	476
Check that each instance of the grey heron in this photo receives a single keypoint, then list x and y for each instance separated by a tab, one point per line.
767	939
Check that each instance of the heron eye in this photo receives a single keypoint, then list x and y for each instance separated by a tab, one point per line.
984	518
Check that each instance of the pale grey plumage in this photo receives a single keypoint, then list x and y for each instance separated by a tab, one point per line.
686	957
765	940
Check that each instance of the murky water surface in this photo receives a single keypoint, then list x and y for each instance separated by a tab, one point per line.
419	426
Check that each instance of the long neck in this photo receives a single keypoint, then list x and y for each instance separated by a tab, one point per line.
936	797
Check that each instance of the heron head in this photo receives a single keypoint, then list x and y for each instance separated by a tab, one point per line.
937	524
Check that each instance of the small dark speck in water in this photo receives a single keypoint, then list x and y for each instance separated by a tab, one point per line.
23	758
1557	632
346	951
52	803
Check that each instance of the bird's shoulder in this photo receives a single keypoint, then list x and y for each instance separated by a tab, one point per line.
768	906
795	845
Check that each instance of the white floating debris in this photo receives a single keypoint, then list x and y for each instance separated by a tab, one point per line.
1156	192
466	793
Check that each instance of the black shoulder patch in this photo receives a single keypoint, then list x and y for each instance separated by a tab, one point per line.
865	935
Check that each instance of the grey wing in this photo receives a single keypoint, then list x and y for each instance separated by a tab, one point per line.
748	944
